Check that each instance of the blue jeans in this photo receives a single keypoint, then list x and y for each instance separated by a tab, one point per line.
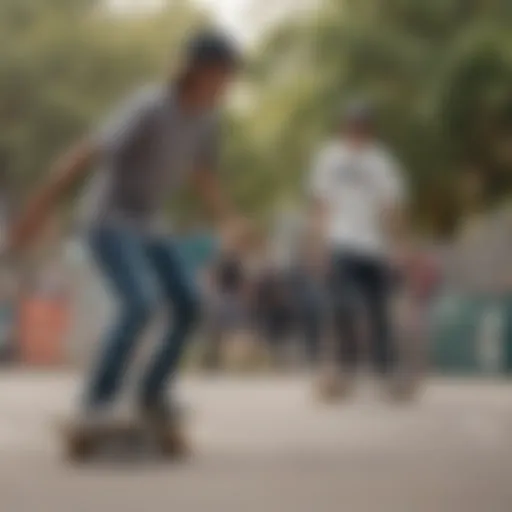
142	272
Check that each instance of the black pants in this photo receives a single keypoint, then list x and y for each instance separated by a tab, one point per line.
358	285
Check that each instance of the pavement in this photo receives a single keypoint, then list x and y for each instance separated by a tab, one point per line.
263	444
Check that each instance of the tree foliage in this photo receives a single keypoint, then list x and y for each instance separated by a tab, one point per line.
440	73
63	64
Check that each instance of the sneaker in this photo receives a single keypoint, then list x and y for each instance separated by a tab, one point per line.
162	414
165	420
94	417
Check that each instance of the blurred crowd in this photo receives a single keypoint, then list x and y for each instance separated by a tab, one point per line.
279	306
269	305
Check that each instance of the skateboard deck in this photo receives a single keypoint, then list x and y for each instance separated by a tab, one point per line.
83	442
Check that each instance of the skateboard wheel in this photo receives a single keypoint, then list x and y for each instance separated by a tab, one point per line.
174	445
79	448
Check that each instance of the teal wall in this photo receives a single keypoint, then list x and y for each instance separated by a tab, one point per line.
472	335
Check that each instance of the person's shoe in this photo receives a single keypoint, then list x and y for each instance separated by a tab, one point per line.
166	421
162	414
83	430
96	417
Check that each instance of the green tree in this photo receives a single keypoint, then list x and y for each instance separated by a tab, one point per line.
63	63
438	71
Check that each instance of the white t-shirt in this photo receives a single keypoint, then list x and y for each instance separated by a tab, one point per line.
356	185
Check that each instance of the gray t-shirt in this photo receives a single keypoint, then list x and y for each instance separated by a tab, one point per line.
147	150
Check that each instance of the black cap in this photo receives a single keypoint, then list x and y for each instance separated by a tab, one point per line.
209	47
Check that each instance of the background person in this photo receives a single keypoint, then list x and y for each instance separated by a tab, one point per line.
359	199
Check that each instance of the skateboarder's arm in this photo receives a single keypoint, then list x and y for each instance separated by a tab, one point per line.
236	232
68	170
205	178
211	190
208	187
118	131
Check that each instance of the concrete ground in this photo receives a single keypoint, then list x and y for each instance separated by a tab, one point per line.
263	444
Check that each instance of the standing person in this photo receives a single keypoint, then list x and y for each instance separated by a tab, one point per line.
359	210
163	136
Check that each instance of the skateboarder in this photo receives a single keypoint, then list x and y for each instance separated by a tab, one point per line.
358	198
163	136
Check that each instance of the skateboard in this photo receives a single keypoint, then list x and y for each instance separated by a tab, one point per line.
82	443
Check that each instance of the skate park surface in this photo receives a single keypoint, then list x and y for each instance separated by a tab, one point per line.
265	444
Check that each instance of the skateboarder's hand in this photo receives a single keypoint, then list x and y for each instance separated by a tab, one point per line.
238	234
